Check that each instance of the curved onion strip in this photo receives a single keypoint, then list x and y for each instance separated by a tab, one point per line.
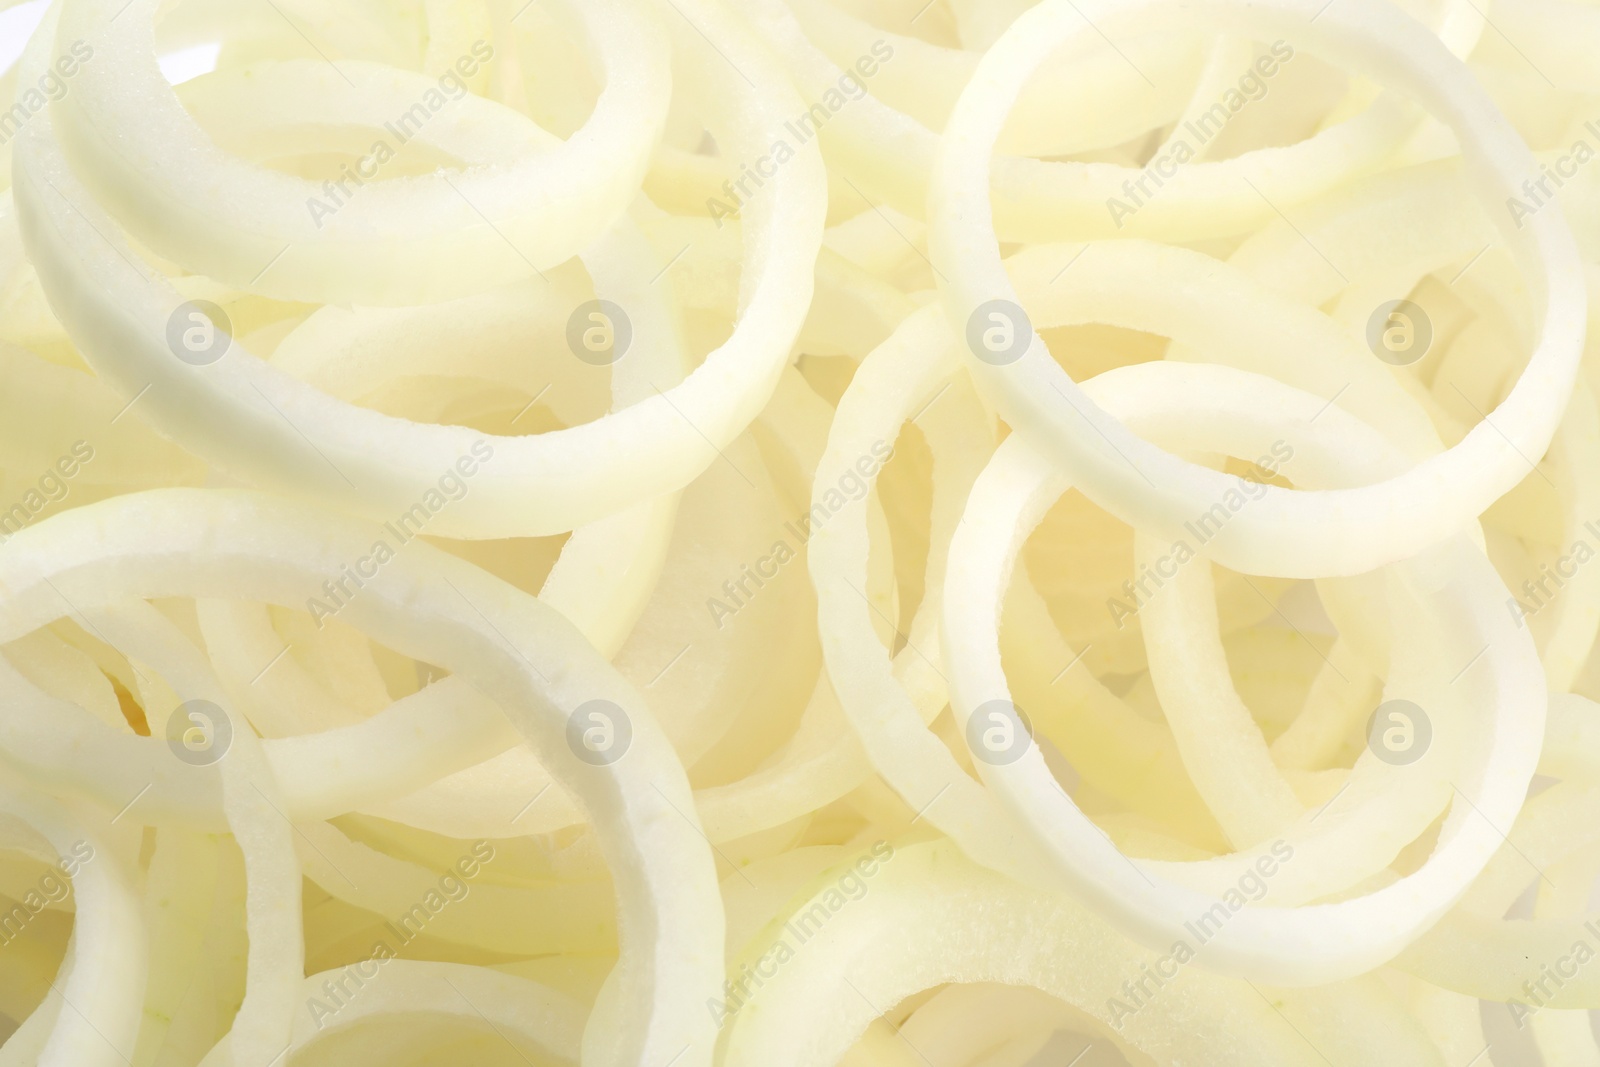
256	819
125	548
902	752
265	426
93	1015
406	241
931	917
1290	944
1345	531
1223	837
896	158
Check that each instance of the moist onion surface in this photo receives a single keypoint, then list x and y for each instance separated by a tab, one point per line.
695	533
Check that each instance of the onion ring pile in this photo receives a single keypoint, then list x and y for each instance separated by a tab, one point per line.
672	533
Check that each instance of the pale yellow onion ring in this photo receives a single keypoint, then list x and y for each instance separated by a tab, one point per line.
270	108
253	806
255	417
1343	532
1133	779
698	700
1225	59
833	762
104	974
1318	943
1114	749
914	762
923	81
62	670
1221	744
1426	212
405	241
1216	313
893	157
1339	697
587	585
1476	952
179	885
816	766
446	725
132	547
931	917
892	384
